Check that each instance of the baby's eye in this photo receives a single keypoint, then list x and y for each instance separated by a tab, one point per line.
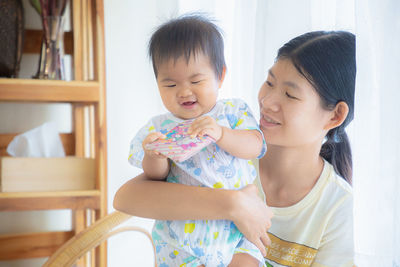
196	82
171	85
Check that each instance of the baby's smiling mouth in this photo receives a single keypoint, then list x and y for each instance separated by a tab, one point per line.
188	103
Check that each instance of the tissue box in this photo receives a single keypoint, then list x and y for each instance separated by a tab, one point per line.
46	174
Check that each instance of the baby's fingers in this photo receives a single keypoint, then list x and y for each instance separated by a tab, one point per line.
195	131
153	137
201	129
159	155
199	124
193	128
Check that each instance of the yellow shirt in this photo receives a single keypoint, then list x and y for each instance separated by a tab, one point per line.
318	230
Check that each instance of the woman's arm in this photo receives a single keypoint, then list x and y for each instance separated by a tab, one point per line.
170	201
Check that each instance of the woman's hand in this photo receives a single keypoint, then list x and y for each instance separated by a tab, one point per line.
252	217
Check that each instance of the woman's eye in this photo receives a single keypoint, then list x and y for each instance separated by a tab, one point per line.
269	83
290	96
171	85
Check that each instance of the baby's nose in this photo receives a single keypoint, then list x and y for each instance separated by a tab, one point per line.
185	92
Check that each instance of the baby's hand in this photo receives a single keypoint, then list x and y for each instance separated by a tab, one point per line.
205	126
150	139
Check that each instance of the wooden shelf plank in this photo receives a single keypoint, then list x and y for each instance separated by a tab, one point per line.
24	201
31	245
78	193
48	90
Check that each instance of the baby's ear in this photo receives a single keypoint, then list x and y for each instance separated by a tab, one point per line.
221	80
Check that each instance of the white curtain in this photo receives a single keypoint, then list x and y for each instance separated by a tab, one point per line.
376	144
254	30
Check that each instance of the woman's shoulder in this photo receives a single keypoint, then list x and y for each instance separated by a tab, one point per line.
338	222
336	197
337	184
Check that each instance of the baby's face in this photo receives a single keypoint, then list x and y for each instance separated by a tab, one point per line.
188	89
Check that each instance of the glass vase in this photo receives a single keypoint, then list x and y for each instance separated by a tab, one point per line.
51	61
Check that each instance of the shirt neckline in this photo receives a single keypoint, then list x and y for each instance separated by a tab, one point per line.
314	192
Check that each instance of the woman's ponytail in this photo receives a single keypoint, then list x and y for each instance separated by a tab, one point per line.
337	151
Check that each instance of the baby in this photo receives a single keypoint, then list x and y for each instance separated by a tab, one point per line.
188	60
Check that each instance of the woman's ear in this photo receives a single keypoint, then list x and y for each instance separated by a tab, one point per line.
339	114
222	77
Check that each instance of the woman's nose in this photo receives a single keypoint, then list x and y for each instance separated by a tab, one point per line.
269	101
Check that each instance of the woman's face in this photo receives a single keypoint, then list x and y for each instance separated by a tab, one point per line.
291	111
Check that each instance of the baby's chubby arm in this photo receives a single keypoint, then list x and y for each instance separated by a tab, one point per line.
155	165
245	144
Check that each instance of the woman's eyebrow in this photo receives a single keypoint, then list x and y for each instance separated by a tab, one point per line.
291	84
271	73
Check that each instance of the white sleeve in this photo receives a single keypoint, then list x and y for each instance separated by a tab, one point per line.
136	152
241	117
337	247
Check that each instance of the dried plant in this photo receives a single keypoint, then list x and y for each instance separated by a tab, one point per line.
51	13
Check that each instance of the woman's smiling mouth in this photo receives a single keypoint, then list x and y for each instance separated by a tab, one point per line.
267	121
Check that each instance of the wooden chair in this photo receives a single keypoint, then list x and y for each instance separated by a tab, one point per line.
91	237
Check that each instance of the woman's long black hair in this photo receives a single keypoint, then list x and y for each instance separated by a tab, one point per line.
327	61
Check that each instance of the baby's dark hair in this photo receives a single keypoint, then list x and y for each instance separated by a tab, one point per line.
186	36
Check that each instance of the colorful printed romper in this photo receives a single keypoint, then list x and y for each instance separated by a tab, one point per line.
196	242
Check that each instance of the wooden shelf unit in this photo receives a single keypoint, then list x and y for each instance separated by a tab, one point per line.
86	93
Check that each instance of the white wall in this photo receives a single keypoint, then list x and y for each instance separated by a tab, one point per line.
132	99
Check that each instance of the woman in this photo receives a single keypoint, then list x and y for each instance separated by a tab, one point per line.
305	105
